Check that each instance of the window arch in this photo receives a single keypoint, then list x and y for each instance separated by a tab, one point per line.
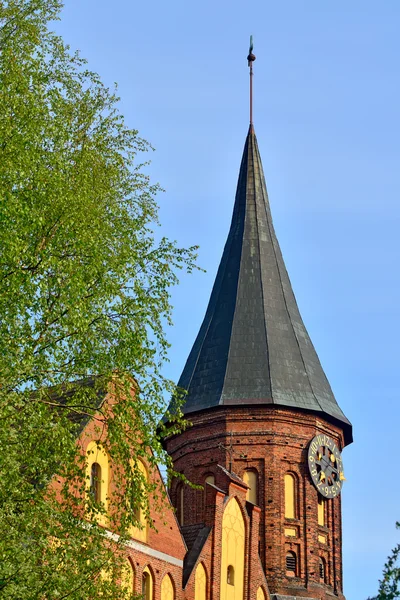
167	588
291	564
322	570
321	510
97	476
230	575
200	583
250	478
147	584
290	496
140	532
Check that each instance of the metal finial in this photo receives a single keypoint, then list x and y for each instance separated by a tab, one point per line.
250	59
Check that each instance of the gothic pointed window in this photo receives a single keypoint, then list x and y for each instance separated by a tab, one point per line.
147	584
200	583
128	577
232	552
167	588
260	594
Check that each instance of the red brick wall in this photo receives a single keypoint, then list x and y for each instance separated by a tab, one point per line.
165	536
158	569
272	441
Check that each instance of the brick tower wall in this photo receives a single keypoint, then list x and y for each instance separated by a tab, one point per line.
272	442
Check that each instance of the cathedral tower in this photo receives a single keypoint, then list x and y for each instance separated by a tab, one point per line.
261	406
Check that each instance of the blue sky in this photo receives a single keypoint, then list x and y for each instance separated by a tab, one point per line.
326	115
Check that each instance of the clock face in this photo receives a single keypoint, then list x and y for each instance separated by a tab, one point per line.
326	466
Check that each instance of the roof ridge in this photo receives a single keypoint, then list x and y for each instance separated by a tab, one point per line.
261	274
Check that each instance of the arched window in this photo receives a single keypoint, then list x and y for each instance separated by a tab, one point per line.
322	570
290	496
291	564
232	552
200	583
95	482
97	476
321	510
250	479
167	588
210	479
147	584
140	532
128	577
260	594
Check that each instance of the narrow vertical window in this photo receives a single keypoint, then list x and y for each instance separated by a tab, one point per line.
180	503
200	583
147	585
128	577
321	511
250	479
290	496
233	546
95	482
322	570
98	479
181	492
291	564
230	576
140	530
167	589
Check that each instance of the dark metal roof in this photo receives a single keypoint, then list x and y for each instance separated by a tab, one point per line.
195	537
252	347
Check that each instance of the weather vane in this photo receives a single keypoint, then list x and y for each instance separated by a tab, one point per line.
250	59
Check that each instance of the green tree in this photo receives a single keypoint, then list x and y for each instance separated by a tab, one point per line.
389	585
84	301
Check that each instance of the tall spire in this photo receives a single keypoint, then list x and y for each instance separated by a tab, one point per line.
253	347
